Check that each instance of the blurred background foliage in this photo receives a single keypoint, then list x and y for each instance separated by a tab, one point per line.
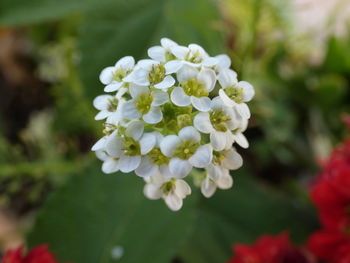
296	53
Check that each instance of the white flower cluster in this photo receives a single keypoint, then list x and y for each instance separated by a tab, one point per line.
178	110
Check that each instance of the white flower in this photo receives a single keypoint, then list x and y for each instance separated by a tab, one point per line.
218	63
172	190
181	109
217	173
186	151
162	53
234	93
150	72
113	77
155	162
109	106
193	55
194	87
218	122
110	164
129	148
144	103
237	133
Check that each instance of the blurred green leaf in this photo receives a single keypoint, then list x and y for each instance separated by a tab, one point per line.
242	214
94	213
130	28
337	57
19	13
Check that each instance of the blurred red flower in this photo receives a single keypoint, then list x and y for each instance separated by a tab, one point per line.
328	245
39	254
331	195
270	249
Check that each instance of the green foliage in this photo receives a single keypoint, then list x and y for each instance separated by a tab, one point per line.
107	34
93	213
241	214
103	211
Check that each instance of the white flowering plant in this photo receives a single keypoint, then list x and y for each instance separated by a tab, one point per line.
165	116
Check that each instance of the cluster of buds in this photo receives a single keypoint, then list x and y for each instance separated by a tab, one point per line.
181	109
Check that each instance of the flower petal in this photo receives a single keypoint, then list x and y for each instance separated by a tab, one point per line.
167	43
168	145
241	140
101	155
114	145
102	115
208	77
229	139
100	144
182	189
224	61
179	168
202	157
202	122
159	97
136	90
213	171
113	86
101	102
157	53
208	188
129	163
218	140
134	129
127	62
201	104
166	83
139	76
210	62
233	160
106	75
110	165
226	99
155	115
173	202
146	168
225	181
216	103
248	90
129	111
179	97
147	142
179	51
195	48
165	171
189	133
152	191
186	72
227	78
147	64
243	110
173	66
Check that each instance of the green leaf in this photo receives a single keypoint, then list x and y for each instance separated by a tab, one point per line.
242	214
93	213
130	28
19	12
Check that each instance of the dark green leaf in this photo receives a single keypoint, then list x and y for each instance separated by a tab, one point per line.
93	213
242	214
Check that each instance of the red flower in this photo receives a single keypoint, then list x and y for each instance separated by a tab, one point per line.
340	157
270	249
326	244
39	254
331	195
